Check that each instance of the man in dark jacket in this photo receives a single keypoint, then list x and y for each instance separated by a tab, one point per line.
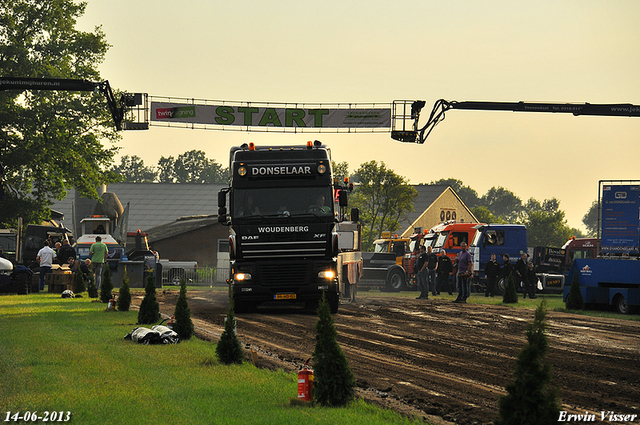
421	266
532	280
443	270
492	273
432	262
520	273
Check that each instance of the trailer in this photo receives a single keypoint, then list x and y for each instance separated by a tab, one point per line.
613	278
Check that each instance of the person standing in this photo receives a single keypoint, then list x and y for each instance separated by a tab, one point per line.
65	252
98	253
465	270
492	273
432	263
421	266
45	256
520	273
443	270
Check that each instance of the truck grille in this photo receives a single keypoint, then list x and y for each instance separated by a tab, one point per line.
284	249
285	274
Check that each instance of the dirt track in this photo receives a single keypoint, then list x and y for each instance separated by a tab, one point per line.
435	358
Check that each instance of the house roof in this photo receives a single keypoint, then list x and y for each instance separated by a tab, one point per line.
156	204
151	204
180	226
427	194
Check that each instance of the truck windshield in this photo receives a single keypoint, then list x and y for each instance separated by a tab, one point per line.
284	202
442	238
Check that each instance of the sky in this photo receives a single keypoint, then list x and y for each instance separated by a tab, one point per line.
569	51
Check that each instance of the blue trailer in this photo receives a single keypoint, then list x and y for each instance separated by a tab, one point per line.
608	281
613	278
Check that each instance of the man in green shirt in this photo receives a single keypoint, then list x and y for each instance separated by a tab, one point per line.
98	253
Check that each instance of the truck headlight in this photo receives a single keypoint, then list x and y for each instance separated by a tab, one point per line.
327	274
242	276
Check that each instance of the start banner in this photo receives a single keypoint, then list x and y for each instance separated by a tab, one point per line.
252	115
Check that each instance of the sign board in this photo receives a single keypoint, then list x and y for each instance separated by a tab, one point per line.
253	115
620	218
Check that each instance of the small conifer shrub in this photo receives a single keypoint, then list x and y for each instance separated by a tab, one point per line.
229	349
78	283
107	285
183	325
530	398
574	297
124	295
91	287
510	295
149	312
333	382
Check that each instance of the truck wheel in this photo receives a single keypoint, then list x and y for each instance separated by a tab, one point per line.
621	305
395	281
175	275
334	303
501	285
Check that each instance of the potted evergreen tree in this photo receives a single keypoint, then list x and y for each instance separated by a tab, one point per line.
574	297
124	295
106	288
183	325
229	348
333	381
530	398
510	295
149	308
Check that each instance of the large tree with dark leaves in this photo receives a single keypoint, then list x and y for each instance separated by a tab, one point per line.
50	141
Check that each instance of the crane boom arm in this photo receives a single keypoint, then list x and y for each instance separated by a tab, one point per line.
419	135
64	84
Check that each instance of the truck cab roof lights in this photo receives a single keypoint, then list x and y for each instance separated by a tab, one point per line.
252	146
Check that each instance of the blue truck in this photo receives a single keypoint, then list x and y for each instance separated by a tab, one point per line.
509	239
613	278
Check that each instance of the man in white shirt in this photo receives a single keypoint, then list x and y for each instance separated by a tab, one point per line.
45	257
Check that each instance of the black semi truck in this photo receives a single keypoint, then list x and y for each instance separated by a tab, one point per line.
284	212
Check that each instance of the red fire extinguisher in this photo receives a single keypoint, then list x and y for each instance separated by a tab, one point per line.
305	382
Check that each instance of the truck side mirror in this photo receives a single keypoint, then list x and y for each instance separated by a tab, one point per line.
343	198
355	214
222	207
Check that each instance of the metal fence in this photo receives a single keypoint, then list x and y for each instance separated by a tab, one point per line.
203	276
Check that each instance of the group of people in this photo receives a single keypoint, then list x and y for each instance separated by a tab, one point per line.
65	254
434	271
524	275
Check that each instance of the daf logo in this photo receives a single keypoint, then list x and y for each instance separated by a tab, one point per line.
250	238
319	235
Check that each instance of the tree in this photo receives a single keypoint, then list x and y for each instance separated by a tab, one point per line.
484	215
340	170
229	348
78	283
510	295
590	219
546	225
183	325
333	381
503	203
531	399
468	195
574	297
383	198
50	141
124	295
133	170
107	285
149	312
92	289
191	167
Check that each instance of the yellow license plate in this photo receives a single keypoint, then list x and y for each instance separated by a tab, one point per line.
285	296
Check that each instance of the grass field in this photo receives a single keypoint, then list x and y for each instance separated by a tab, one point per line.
69	355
